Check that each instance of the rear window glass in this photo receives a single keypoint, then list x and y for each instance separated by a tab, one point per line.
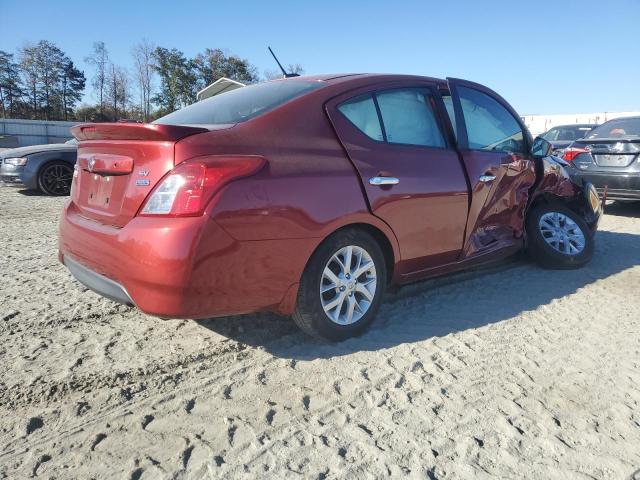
408	118
567	133
241	104
361	111
406	115
618	128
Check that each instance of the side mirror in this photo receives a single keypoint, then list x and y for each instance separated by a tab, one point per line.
541	148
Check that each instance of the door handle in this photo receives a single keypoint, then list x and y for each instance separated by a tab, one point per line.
384	181
487	178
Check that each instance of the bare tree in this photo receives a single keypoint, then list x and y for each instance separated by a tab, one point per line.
124	89
117	91
291	68
112	89
100	60
143	63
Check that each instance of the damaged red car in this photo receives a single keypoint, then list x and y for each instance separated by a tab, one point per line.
309	196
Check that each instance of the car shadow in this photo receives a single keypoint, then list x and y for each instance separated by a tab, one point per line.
437	308
30	193
623	209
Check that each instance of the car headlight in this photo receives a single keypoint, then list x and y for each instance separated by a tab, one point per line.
594	199
18	161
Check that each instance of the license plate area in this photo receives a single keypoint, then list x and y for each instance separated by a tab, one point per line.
613	160
100	191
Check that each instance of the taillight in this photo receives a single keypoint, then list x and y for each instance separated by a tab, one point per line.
572	152
187	189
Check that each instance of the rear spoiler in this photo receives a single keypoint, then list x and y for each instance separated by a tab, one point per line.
133	131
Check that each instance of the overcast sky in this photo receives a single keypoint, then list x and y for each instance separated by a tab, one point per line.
560	56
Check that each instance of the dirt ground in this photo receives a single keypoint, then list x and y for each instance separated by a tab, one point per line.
515	373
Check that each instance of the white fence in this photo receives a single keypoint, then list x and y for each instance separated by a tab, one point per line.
538	124
22	133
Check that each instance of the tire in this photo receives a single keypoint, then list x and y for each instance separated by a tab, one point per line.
310	313
54	178
540	224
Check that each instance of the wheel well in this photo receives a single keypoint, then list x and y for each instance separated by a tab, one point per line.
381	238
542	198
52	160
44	164
550	198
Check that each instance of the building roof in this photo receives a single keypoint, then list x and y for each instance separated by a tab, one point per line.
219	86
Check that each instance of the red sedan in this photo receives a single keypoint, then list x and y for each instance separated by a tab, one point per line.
308	196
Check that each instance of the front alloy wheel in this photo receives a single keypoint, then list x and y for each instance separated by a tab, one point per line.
55	178
558	237
562	233
342	286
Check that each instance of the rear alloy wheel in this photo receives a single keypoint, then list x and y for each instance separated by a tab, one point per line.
558	237
342	287
348	285
55	178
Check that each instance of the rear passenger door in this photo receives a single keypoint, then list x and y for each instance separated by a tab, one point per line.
412	176
494	145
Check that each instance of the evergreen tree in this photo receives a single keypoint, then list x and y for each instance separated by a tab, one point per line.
72	83
178	81
11	88
213	64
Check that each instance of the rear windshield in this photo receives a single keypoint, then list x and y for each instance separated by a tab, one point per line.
618	128
241	104
566	133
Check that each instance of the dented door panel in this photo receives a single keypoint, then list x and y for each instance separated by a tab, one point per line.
496	215
500	180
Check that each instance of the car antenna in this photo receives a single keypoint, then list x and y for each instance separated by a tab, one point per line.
284	72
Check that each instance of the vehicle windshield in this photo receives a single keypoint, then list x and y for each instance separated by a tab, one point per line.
618	128
241	104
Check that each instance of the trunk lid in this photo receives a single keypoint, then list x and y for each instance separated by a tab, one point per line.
119	164
612	154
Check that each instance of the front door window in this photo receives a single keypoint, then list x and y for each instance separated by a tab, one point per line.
490	126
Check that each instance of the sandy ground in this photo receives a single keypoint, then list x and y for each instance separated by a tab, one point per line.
516	373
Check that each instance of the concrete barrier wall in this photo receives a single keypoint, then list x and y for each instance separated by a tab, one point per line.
22	133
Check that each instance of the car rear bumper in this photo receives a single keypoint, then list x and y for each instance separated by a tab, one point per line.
619	186
96	282
181	267
618	194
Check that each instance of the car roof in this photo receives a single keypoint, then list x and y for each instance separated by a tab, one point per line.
335	78
635	117
576	125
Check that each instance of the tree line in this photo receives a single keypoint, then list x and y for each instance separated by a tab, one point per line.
40	81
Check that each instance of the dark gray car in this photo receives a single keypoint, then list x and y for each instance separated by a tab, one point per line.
609	157
48	168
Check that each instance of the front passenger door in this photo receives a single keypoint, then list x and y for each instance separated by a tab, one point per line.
494	145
